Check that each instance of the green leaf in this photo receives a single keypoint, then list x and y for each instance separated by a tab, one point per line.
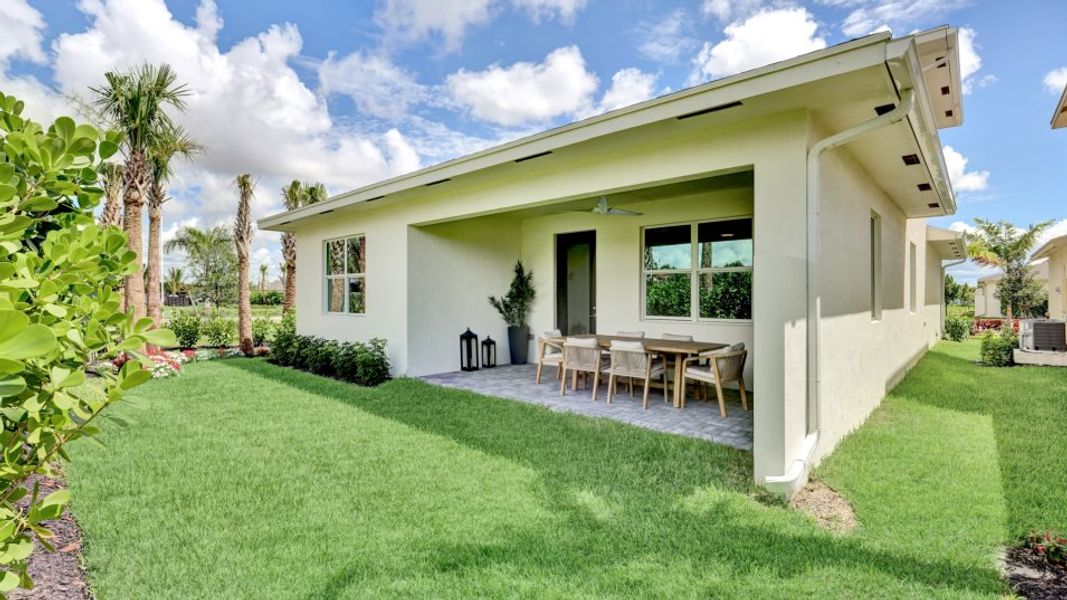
135	379
58	497
6	191
9	581
108	149
19	340
65	128
160	337
73	380
12	385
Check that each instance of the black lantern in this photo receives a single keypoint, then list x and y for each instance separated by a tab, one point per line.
488	353
468	351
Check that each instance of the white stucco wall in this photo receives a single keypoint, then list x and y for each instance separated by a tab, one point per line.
863	358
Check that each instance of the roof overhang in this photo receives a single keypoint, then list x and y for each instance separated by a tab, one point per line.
1059	118
747	95
951	245
1050	247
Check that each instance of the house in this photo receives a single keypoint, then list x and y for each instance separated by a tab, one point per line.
808	182
1059	117
986	302
1053	255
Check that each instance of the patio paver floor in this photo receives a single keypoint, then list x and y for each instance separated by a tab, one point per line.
698	419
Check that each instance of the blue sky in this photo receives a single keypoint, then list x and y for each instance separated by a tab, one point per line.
350	92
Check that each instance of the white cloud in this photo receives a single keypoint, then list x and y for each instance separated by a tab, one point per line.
732	10
900	15
23	32
1056	80
628	86
971	62
525	92
565	10
666	40
379	87
417	20
962	227
962	179
766	37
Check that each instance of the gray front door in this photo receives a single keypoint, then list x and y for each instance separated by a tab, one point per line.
576	282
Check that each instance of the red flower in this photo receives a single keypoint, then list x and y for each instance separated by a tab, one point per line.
1040	548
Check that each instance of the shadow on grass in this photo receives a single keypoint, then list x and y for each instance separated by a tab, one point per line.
673	500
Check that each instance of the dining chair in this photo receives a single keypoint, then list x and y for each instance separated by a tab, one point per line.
580	355
549	353
719	367
633	334
631	360
677	337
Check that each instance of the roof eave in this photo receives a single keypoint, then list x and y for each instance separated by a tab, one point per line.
552	139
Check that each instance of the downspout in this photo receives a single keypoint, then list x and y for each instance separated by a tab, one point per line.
797	471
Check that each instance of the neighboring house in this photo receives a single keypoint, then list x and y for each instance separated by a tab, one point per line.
1054	252
784	207
1059	118
986	303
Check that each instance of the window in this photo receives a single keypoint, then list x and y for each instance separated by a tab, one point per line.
913	278
876	266
698	270
346	279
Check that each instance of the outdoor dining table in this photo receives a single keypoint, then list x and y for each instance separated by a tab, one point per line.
680	349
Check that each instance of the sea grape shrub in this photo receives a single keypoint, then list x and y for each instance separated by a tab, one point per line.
186	328
59	317
957	329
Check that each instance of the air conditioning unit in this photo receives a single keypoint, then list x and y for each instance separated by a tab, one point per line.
1043	335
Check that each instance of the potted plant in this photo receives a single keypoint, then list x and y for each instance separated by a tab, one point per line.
514	306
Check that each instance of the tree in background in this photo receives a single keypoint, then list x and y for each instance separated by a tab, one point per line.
210	255
134	102
295	195
172	141
242	239
111	215
958	293
263	277
175	282
292	198
1001	244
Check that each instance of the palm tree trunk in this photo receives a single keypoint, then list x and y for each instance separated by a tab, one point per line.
289	252
133	201
242	237
155	215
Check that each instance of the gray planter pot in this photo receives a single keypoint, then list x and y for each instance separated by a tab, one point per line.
518	344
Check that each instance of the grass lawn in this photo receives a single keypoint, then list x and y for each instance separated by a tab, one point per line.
956	310
240	479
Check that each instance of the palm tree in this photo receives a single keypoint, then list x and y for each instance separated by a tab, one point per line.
175	281
293	198
242	238
112	213
1002	245
281	273
263	277
171	142
314	193
210	255
134	102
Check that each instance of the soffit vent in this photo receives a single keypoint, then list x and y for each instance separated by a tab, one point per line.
924	187
533	156
439	182
705	111
910	159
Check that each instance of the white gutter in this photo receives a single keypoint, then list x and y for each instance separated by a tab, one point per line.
795	474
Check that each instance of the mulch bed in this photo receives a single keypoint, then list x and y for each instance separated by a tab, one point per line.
827	507
57	575
1031	576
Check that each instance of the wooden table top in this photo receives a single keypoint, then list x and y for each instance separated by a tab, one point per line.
650	343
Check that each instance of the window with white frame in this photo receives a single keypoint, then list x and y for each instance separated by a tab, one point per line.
346	275
698	270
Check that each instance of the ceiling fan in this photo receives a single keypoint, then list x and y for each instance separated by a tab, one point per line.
602	208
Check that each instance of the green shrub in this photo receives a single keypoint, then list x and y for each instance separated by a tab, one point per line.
266	297
321	357
284	343
219	331
372	363
308	351
345	364
262	330
957	329
997	348
59	272
186	327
